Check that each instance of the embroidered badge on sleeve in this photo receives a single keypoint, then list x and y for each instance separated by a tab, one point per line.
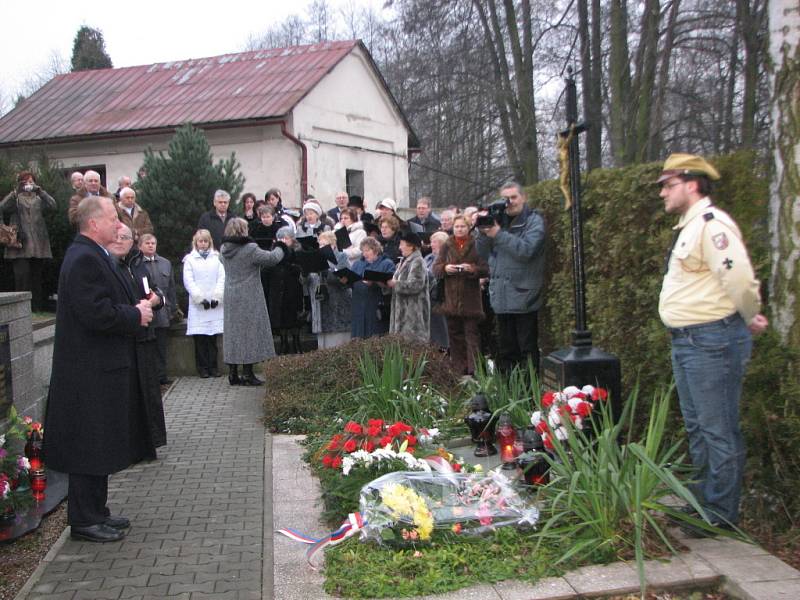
720	241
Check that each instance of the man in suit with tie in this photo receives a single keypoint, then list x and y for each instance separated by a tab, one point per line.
94	414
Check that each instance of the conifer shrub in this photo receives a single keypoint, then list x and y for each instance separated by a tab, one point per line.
179	186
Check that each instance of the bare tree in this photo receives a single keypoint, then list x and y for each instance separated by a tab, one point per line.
320	21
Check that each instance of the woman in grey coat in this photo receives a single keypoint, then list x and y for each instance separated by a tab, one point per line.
24	207
411	303
248	334
331	299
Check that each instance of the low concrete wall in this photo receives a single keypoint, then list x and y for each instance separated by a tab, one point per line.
27	390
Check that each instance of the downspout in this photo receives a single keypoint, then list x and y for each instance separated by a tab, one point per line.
303	162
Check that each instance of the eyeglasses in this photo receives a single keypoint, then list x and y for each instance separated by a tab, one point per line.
124	238
669	186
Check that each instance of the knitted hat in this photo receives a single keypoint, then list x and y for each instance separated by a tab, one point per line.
313	206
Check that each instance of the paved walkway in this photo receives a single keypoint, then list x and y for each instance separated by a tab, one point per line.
197	512
203	519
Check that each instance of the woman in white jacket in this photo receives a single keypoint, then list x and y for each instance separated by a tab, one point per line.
204	280
355	229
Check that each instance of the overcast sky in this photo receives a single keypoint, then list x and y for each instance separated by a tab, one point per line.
136	33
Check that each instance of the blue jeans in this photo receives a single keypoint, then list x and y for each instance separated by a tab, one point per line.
708	362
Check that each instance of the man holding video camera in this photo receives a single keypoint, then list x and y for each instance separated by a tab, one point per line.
511	238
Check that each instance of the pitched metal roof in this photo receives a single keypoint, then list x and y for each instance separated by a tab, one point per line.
232	88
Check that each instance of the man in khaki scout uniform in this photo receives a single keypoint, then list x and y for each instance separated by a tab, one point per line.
710	302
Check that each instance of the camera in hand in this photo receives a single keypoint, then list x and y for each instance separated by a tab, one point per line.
494	214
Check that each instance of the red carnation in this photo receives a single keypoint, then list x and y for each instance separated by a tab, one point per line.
368	446
374	430
565	411
542	427
327	460
599	394
334	444
579	396
412	441
547	399
350	446
584	409
457	467
385	441
337	462
547	443
375	423
353	427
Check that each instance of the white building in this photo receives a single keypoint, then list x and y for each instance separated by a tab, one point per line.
308	120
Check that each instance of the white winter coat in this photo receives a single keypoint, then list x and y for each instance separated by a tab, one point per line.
204	279
357	235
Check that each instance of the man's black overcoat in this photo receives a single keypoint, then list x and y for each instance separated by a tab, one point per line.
88	421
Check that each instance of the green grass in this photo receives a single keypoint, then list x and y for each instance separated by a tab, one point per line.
365	570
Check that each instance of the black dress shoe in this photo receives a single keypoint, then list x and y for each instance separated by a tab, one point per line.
118	522
251	380
97	533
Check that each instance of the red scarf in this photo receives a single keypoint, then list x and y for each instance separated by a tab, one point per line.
460	242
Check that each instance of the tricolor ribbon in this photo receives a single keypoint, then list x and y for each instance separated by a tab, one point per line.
352	525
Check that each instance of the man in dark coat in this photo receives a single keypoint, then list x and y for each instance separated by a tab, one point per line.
216	219
341	200
92	416
160	271
424	217
91	187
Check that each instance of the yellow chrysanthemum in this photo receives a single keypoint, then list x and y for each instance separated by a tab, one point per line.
404	502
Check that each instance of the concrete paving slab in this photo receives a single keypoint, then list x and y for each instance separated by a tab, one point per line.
475	592
754	568
684	570
552	588
722	547
766	590
617	578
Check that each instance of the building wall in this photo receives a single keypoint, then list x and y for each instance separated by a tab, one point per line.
349	122
346	122
268	159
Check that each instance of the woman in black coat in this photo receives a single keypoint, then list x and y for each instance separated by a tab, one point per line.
285	301
390	238
135	274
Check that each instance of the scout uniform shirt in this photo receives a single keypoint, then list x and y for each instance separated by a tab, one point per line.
709	275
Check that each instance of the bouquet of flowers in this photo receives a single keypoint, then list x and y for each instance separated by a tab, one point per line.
14	467
374	442
570	407
409	506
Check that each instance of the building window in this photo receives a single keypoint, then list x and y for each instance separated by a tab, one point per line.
354	181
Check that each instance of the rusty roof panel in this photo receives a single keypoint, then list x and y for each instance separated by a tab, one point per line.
233	87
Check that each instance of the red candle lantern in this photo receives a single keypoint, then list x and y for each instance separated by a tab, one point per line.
506	437
38	479
33	449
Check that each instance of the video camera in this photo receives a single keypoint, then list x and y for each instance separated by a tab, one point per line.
494	214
